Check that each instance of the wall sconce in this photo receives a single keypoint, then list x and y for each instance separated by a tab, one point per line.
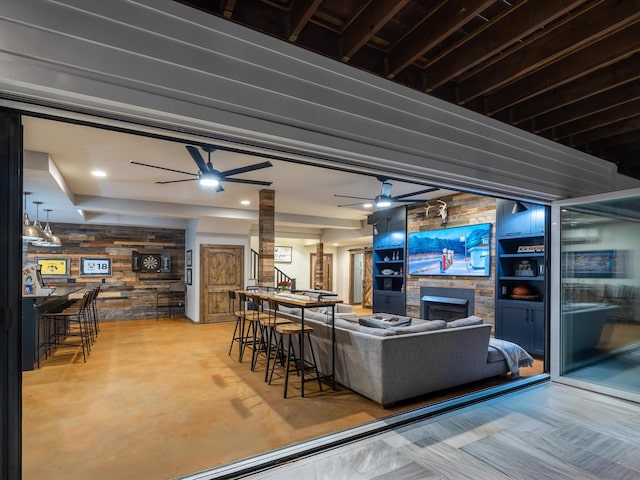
518	207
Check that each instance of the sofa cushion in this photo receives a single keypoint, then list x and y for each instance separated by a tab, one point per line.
393	321
356	327
421	327
290	310
465	322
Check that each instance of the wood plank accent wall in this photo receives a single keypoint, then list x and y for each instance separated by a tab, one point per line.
318	271
463	209
266	237
124	294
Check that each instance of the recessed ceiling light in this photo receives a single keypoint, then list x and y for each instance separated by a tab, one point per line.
335	244
245	202
98	173
368	205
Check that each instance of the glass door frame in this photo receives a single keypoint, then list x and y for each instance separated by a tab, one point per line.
556	294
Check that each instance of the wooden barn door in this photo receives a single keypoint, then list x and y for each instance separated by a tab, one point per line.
221	270
367	280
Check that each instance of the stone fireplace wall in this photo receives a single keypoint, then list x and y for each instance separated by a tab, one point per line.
463	209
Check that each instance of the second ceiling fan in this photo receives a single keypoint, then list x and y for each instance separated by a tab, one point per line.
209	176
384	199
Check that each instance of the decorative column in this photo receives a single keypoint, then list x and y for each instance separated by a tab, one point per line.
266	238
318	274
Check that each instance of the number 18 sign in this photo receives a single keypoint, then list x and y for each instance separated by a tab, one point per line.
95	266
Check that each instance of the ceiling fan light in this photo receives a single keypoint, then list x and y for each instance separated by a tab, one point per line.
209	180
382	201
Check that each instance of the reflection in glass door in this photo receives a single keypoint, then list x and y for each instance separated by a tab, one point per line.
600	295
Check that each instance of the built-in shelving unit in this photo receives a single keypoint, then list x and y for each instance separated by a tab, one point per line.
389	268
520	278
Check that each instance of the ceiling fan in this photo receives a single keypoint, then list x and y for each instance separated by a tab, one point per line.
209	176
385	199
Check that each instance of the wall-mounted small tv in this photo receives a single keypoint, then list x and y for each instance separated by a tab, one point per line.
451	251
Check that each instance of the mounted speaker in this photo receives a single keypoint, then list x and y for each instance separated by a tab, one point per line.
165	262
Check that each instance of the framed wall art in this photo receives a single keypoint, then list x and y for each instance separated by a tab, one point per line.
189	258
53	267
189	276
282	254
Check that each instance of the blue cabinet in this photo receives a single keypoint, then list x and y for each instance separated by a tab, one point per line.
520	275
522	323
389	242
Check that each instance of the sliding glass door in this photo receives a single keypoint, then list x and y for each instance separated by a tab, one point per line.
598	308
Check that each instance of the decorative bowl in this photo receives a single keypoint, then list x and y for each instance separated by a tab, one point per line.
387	271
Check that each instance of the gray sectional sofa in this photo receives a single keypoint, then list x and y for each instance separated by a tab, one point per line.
389	365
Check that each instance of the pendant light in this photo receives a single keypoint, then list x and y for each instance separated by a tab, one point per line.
29	232
44	240
52	240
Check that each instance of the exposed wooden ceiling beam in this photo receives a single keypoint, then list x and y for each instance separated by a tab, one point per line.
550	44
625	71
438	25
595	120
516	23
627	92
367	24
611	130
300	13
615	47
621	143
227	8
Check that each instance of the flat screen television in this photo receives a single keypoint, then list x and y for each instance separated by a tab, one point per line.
451	251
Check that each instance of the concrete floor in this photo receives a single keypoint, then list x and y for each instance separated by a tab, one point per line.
160	399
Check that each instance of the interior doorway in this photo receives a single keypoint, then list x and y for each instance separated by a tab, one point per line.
327	272
357	270
221	270
360	278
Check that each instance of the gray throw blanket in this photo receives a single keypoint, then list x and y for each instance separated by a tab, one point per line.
514	355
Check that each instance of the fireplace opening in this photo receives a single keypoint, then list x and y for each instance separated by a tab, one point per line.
446	303
445	308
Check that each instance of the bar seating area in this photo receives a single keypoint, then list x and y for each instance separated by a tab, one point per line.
74	324
276	342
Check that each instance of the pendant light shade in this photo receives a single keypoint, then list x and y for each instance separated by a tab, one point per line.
518	207
30	231
48	238
53	240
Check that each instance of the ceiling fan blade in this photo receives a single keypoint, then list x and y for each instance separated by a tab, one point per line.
219	188
248	168
162	168
420	192
197	157
250	182
350	204
177	181
358	198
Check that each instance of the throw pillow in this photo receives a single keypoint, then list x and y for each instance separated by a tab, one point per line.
465	322
356	327
390	322
421	327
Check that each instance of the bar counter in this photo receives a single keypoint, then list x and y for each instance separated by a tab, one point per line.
33	307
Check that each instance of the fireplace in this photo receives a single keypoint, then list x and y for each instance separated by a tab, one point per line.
443	303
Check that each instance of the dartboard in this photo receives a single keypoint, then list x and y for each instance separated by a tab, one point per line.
150	263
